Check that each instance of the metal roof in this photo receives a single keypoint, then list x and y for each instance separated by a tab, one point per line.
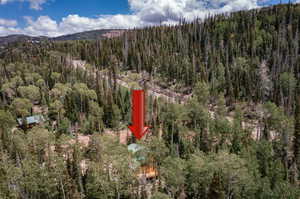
35	119
134	147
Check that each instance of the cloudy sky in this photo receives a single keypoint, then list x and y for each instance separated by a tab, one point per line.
58	17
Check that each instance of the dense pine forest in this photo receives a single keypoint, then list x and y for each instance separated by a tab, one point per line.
232	129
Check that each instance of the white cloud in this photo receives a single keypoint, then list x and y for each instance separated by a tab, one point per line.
44	25
155	11
7	27
5	1
34	4
4	31
75	23
7	22
143	13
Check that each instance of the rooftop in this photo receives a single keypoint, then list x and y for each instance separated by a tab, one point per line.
134	147
35	119
138	158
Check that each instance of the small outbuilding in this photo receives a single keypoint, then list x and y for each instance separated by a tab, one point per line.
146	166
31	121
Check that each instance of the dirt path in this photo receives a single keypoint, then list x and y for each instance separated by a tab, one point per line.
153	90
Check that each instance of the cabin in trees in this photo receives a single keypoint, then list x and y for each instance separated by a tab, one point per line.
30	122
145	166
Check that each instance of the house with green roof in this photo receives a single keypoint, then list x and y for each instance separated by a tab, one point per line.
31	121
140	161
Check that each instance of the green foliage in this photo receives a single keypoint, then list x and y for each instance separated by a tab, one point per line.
38	181
9	177
159	195
219	176
288	83
248	56
201	92
115	116
6	120
296	144
63	126
59	91
56	110
21	107
114	177
173	174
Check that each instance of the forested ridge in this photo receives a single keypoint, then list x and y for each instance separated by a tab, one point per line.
237	136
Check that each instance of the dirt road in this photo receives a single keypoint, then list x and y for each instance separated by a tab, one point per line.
166	94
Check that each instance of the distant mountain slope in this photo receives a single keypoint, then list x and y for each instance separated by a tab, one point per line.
91	35
88	35
16	38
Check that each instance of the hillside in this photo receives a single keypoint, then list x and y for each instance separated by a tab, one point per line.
88	35
223	104
19	38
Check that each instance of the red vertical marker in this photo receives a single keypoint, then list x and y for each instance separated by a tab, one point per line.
138	127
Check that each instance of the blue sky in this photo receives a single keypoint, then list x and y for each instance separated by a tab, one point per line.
61	8
58	17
